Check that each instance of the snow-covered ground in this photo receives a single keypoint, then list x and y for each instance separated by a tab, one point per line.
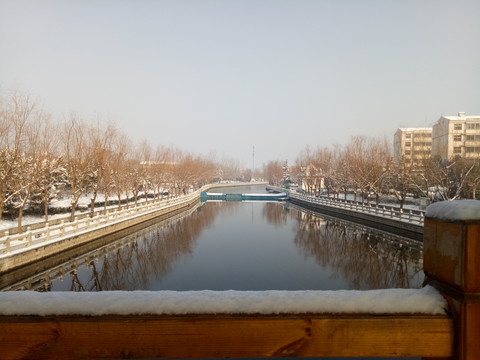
64	203
423	301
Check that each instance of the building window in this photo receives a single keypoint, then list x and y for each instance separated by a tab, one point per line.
407	152
457	137
457	150
473	126
473	137
457	127
408	136
408	144
473	149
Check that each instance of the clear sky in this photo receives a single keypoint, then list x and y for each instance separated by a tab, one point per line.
227	75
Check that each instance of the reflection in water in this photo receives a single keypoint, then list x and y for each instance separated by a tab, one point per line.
275	214
284	248
367	259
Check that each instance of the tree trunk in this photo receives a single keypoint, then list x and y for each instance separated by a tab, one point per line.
92	203
74	206
126	193
45	207
106	201
20	211
119	195
135	195
20	214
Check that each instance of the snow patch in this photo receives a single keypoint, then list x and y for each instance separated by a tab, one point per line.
455	210
425	301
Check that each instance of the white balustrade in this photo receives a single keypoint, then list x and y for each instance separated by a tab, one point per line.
409	216
33	237
9	243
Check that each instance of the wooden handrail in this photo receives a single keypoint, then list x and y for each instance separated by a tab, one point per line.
451	258
225	336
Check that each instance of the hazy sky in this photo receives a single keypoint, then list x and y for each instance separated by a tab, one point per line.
228	75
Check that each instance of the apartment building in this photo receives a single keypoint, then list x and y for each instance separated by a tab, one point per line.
412	144
456	136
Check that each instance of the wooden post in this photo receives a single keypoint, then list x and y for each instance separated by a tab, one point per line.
451	262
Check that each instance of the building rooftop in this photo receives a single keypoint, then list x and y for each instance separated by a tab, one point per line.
462	116
416	129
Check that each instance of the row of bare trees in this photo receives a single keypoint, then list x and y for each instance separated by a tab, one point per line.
365	167
40	157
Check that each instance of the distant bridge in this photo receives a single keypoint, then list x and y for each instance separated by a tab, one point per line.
242	197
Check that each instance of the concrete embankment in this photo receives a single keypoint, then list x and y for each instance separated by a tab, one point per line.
87	238
410	230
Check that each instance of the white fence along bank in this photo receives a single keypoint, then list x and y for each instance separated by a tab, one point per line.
11	244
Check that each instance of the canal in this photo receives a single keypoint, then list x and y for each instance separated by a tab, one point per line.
240	246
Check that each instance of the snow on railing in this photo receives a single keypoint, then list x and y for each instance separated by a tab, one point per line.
392	212
31	238
41	236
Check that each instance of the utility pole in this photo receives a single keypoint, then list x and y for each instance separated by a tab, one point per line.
253	158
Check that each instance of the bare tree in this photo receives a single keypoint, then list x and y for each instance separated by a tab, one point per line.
451	177
78	160
51	172
273	172
120	148
423	174
100	142
147	165
371	159
14	117
380	162
474	178
111	134
401	179
341	170
133	170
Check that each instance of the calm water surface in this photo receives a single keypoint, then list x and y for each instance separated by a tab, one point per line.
242	246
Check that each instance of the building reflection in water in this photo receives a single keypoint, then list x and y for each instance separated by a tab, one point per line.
365	258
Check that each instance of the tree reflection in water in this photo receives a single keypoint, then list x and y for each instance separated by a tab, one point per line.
367	259
362	258
155	251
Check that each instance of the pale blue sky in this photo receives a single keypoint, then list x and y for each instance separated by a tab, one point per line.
226	75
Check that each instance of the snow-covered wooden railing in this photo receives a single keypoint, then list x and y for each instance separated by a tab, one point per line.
228	324
441	320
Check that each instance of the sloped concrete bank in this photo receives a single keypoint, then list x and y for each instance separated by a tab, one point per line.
412	231
70	245
17	274
41	253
